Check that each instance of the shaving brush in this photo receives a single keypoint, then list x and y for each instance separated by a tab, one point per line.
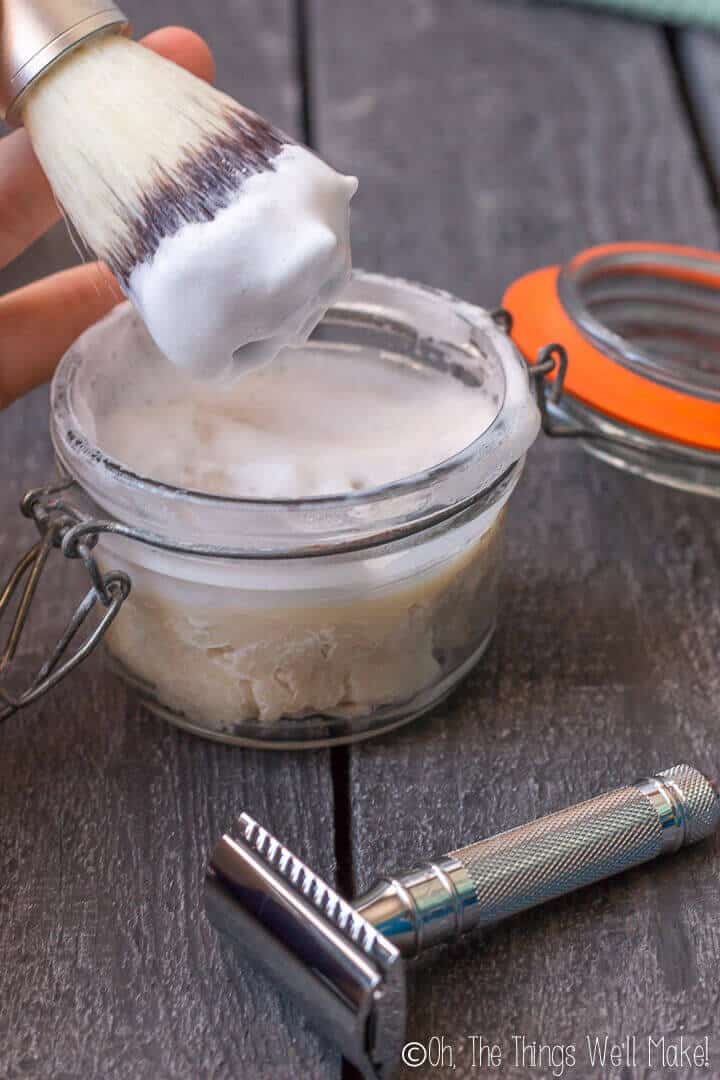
230	238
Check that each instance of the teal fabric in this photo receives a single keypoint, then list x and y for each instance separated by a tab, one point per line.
676	12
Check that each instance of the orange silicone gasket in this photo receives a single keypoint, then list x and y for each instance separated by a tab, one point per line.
594	378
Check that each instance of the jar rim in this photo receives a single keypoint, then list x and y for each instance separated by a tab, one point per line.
418	500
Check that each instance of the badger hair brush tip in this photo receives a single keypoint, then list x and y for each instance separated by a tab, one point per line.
230	238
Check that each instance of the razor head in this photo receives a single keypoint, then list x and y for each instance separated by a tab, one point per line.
346	975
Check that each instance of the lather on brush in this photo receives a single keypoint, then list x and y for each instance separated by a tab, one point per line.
230	239
343	961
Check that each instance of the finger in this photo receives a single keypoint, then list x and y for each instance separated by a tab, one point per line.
39	323
27	205
183	47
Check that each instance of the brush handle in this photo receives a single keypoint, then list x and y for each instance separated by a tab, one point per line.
488	881
35	34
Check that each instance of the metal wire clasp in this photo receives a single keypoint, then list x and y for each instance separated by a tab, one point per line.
57	522
551	359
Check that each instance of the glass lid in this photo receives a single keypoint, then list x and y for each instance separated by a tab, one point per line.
640	324
637	327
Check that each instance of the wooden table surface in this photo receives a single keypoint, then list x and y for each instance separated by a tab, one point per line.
490	138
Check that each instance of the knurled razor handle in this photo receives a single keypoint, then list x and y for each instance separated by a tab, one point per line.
487	881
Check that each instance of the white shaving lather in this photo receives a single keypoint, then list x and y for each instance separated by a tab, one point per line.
230	238
343	960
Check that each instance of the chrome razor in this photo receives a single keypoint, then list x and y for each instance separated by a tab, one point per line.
343	961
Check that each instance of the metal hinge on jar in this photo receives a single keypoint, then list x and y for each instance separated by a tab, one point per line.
551	359
61	526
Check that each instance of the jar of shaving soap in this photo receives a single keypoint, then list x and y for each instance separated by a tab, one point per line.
310	554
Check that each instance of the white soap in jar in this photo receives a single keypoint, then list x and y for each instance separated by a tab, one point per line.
315	422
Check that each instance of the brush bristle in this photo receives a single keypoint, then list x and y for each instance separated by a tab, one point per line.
135	147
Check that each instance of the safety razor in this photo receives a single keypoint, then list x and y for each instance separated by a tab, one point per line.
343	961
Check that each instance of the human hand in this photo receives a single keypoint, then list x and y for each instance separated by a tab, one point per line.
40	321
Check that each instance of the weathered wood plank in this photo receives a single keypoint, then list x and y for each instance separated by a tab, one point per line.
490	139
698	53
107	965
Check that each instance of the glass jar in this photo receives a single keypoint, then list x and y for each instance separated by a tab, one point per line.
291	622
